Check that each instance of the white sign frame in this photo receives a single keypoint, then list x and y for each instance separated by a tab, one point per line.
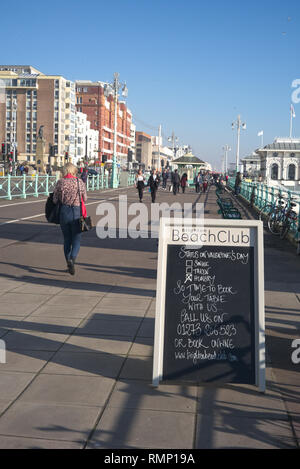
255	228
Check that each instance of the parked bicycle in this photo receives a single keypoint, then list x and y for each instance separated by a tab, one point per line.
289	217
270	214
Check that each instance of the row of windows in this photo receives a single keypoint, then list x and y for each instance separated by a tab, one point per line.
291	173
292	155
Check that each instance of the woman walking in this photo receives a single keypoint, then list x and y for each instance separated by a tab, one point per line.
153	183
69	191
140	184
183	182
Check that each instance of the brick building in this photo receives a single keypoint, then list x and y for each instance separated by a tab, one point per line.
99	109
30	99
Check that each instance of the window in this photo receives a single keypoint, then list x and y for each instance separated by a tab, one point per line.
274	172
84	90
56	83
34	115
8	115
28	148
28	115
28	127
291	172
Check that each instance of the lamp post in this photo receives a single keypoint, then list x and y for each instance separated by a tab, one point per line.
226	149
173	139
239	125
114	88
13	126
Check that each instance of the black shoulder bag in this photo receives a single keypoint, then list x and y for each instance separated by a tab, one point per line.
85	223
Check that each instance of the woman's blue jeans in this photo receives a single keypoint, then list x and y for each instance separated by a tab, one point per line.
69	223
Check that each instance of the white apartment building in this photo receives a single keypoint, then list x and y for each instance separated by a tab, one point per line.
86	141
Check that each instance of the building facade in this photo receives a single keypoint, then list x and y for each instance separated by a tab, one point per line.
280	163
86	141
90	100
143	145
31	100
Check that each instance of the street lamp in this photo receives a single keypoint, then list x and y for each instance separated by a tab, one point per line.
226	149
114	88
13	127
239	125
173	139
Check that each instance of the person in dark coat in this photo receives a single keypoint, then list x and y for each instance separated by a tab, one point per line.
153	183
183	182
84	175
238	182
175	182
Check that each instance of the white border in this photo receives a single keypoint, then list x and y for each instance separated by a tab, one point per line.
259	314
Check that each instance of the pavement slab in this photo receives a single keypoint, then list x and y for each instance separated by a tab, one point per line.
83	363
49	421
126	428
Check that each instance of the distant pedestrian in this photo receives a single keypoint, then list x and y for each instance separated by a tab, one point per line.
237	184
140	184
183	182
84	175
197	181
165	176
153	183
69	191
205	183
175	182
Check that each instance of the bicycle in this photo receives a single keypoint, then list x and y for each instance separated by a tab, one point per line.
269	212
290	217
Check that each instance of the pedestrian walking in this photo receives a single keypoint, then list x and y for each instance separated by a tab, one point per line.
153	183
197	182
140	184
237	184
70	191
205	183
165	176
183	182
84	175
175	181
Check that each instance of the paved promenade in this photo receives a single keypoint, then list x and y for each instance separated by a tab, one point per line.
78	368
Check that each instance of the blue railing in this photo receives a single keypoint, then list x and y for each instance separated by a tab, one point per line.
260	195
36	185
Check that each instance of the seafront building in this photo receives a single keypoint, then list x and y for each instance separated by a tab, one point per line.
30	99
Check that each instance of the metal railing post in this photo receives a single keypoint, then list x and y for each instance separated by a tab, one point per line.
24	187
9	187
36	193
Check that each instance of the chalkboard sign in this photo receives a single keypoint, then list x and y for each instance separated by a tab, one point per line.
209	317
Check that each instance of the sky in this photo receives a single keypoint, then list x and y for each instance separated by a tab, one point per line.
192	66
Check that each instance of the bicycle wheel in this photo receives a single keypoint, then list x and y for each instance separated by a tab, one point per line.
264	213
285	229
274	222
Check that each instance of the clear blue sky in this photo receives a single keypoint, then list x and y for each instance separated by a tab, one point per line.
190	65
